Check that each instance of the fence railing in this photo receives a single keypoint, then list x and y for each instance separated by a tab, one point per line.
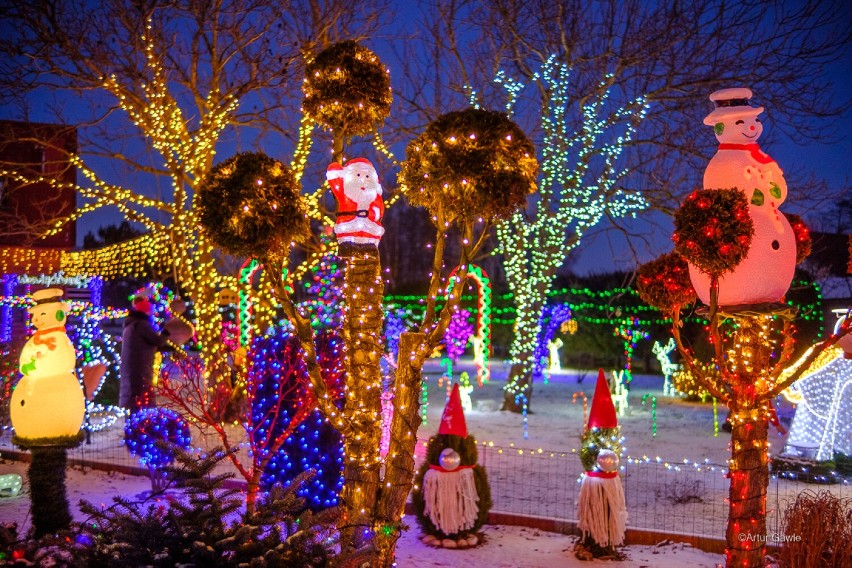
681	498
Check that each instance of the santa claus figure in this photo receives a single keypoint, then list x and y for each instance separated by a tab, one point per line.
601	508
360	208
48	401
451	495
765	274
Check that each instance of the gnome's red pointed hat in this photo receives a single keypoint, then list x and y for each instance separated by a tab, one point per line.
602	414
452	421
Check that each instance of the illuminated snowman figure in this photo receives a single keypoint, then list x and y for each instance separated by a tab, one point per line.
765	274
48	401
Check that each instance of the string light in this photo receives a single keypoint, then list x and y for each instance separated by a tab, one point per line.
573	196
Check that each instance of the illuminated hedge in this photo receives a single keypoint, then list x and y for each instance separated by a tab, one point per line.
713	230
347	89
250	205
469	164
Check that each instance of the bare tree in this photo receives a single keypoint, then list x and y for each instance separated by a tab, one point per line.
645	70
154	88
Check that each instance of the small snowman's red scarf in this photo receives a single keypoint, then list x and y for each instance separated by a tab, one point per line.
753	149
39	339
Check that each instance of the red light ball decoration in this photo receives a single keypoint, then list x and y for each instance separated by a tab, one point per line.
803	236
665	284
713	230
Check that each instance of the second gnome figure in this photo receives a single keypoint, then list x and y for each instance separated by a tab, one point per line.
451	496
601	507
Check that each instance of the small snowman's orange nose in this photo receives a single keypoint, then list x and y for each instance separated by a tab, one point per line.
751	127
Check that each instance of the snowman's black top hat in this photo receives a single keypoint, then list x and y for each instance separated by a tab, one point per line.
731	104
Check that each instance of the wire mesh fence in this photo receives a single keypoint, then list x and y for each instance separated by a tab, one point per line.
681	498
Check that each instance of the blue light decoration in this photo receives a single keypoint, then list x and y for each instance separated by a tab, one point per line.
326	288
552	318
93	346
314	444
395	324
145	428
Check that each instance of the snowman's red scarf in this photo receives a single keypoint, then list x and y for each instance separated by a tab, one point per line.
753	149
39	339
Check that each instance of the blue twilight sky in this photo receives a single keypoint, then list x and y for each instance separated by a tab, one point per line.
604	249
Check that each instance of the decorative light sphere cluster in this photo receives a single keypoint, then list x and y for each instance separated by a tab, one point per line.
144	429
467	162
347	89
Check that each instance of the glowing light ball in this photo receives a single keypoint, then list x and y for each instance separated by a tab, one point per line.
48	401
145	428
765	274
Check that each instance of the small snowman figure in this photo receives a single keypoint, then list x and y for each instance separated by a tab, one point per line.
360	208
765	274
48	401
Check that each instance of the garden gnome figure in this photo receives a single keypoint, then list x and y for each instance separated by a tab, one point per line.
454	499
765	274
360	208
601	508
48	401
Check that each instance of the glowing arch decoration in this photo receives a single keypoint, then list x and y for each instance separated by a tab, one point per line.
552	318
482	338
245	315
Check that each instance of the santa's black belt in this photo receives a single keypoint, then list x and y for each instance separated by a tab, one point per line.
359	213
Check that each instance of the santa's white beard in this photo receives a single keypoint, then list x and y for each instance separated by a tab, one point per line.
602	511
451	499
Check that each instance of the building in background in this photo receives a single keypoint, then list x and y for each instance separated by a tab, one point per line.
34	150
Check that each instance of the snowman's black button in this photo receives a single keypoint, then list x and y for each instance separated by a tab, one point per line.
22	402
776	245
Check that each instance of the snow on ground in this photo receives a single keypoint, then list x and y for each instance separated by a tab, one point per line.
504	547
554	423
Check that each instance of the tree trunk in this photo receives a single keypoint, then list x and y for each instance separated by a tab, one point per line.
362	331
526	331
749	473
518	385
46	474
399	466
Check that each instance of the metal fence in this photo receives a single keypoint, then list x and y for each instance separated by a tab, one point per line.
681	498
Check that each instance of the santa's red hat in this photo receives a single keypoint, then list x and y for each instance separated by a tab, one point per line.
452	421
602	414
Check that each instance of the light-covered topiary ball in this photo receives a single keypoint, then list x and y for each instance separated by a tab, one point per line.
347	89
250	205
470	164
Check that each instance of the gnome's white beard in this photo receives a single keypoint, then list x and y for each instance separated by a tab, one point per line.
602	511
451	499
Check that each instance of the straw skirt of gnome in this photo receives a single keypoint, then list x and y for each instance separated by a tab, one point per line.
601	509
